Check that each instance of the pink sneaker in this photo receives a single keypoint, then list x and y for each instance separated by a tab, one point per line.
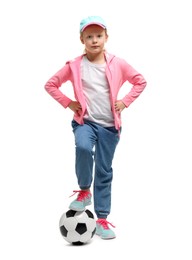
103	230
83	199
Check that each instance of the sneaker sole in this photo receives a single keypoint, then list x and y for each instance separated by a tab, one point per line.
105	237
78	209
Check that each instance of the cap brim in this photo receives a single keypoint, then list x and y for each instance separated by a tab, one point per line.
87	25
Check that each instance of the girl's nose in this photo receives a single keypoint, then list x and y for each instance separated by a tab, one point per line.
94	39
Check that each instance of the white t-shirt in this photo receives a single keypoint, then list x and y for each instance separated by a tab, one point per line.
96	92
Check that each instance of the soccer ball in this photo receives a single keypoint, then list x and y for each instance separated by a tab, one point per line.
77	227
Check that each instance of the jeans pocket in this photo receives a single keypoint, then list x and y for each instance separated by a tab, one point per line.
74	124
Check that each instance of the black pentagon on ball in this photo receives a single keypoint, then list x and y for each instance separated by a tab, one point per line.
70	213
63	231
78	243
89	213
81	228
93	233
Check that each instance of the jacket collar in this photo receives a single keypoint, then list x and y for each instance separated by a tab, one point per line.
108	58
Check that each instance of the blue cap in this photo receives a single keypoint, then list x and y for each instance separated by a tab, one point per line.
97	20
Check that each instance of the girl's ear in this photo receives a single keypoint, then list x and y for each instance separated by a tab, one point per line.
106	37
81	39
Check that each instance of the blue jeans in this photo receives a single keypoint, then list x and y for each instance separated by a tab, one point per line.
95	148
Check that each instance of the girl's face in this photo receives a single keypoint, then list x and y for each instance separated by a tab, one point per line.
94	37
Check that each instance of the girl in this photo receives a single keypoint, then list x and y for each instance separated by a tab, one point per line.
96	77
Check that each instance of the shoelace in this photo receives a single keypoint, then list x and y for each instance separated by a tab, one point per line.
105	223
82	194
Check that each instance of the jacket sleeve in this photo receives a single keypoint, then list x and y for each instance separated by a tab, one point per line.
54	83
137	81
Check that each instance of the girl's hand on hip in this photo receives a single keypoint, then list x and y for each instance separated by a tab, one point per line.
119	106
75	106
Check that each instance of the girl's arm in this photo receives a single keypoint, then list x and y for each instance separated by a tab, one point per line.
138	84
54	83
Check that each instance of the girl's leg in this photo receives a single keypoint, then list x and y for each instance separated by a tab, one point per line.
108	139
84	141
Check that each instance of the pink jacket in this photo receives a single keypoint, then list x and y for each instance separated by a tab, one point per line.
118	71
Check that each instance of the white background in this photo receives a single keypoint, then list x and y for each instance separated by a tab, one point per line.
151	198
